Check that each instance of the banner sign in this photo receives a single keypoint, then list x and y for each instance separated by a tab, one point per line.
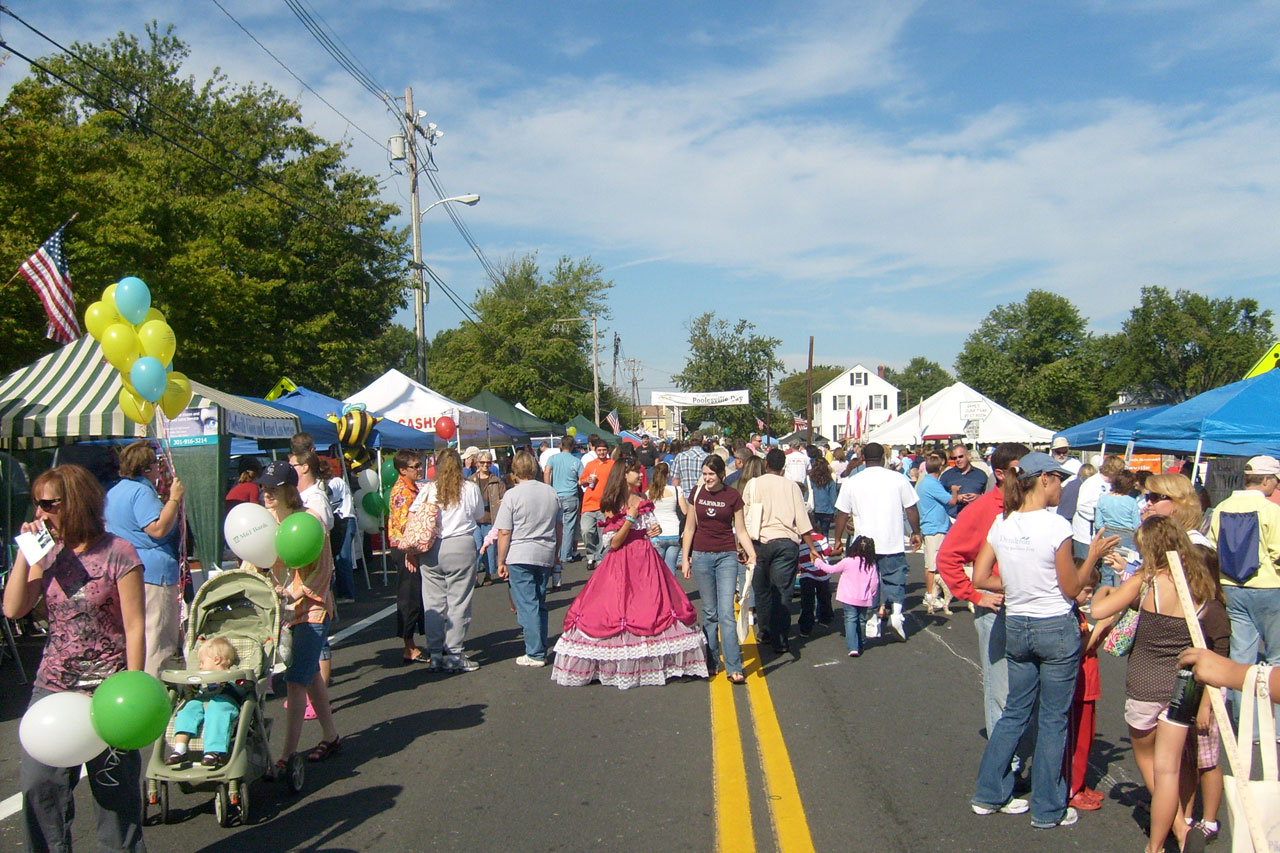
194	427
700	398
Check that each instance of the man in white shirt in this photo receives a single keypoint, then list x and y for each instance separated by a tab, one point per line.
546	451
877	498
1087	504
797	465
1060	450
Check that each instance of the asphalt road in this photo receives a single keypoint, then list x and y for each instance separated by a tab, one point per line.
883	751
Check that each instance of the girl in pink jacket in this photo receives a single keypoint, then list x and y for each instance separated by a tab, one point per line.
857	590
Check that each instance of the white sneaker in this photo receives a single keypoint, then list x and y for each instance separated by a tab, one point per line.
1068	819
1014	806
873	627
899	624
525	660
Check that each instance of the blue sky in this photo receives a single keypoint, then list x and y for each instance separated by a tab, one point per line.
877	174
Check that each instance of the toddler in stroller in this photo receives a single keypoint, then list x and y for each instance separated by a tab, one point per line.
215	707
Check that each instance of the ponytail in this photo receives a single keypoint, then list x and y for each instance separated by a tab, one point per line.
1015	491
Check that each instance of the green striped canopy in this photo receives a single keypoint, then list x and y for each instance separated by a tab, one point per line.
72	394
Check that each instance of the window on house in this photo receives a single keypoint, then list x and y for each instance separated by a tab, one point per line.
841	402
879	401
858	377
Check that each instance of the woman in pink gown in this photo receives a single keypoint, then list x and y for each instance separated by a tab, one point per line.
632	624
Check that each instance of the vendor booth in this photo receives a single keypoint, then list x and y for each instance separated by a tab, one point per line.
958	411
394	395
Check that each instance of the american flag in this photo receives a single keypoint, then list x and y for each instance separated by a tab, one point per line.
614	423
759	424
47	273
799	424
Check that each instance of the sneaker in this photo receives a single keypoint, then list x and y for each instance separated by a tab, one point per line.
898	623
459	663
873	627
525	660
806	632
437	663
1085	803
1199	836
556	581
1014	806
1069	818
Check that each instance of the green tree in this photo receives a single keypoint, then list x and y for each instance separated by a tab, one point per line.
918	380
1187	343
521	348
793	390
1035	358
254	287
724	357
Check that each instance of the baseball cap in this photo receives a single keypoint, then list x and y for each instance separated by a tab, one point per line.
1036	463
470	451
278	473
1263	465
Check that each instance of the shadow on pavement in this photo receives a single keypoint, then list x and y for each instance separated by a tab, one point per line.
314	825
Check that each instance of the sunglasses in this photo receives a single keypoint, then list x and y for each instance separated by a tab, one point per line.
1061	451
958	458
1156	497
415	466
49	504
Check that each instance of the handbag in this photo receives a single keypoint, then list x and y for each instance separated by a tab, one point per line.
422	527
1119	641
1264	793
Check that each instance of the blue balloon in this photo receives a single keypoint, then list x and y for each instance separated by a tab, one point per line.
133	299
149	378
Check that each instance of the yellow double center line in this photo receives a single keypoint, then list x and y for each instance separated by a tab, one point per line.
734	831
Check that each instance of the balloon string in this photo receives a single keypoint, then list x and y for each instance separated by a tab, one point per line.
184	571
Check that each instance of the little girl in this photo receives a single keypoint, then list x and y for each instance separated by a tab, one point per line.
857	589
1153	663
215	708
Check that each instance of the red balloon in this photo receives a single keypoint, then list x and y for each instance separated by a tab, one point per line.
446	428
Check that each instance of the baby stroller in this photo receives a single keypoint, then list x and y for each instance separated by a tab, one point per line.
240	605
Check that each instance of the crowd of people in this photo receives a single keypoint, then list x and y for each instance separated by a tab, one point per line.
1055	556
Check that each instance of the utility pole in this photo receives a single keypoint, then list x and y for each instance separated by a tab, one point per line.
632	366
595	355
809	385
415	222
768	392
617	345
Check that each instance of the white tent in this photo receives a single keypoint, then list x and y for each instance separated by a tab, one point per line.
955	412
396	396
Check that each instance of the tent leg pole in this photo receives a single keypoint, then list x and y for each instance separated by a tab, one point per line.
1195	466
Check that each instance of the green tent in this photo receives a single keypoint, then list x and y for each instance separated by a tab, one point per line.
586	428
536	427
72	395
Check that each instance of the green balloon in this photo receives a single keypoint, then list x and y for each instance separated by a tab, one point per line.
300	540
130	710
389	472
374	504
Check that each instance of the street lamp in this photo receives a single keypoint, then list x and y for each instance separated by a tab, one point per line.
469	200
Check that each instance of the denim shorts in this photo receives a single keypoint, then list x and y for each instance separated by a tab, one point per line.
308	641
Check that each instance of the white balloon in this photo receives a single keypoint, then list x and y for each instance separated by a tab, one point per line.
367	480
251	534
57	731
367	523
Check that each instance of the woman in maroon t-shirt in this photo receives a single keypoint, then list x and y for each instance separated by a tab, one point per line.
713	531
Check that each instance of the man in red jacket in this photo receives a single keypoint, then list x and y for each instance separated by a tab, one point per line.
962	544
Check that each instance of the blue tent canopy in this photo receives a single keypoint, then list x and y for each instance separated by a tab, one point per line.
1239	419
1112	430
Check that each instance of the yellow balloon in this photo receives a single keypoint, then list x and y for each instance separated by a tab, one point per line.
98	317
157	340
120	346
135	408
177	394
109	297
153	313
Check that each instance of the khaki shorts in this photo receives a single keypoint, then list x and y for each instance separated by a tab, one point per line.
932	544
163	619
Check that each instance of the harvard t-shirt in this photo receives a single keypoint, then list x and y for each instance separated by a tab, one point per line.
715	511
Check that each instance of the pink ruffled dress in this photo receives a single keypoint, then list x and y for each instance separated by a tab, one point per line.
632	624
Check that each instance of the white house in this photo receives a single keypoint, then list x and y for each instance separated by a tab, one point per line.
837	405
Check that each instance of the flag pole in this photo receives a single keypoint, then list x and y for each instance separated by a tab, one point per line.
70	219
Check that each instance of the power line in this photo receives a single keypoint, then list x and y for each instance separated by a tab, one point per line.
305	84
349	63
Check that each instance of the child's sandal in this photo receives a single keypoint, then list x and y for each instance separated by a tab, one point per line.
324	749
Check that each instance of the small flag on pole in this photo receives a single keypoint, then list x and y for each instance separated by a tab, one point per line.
614	423
799	424
759	424
46	271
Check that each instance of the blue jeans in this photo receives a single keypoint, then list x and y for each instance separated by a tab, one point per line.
569	506
669	550
1255	625
344	570
990	627
1044	658
529	595
855	627
717	576
893	579
486	560
814	593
